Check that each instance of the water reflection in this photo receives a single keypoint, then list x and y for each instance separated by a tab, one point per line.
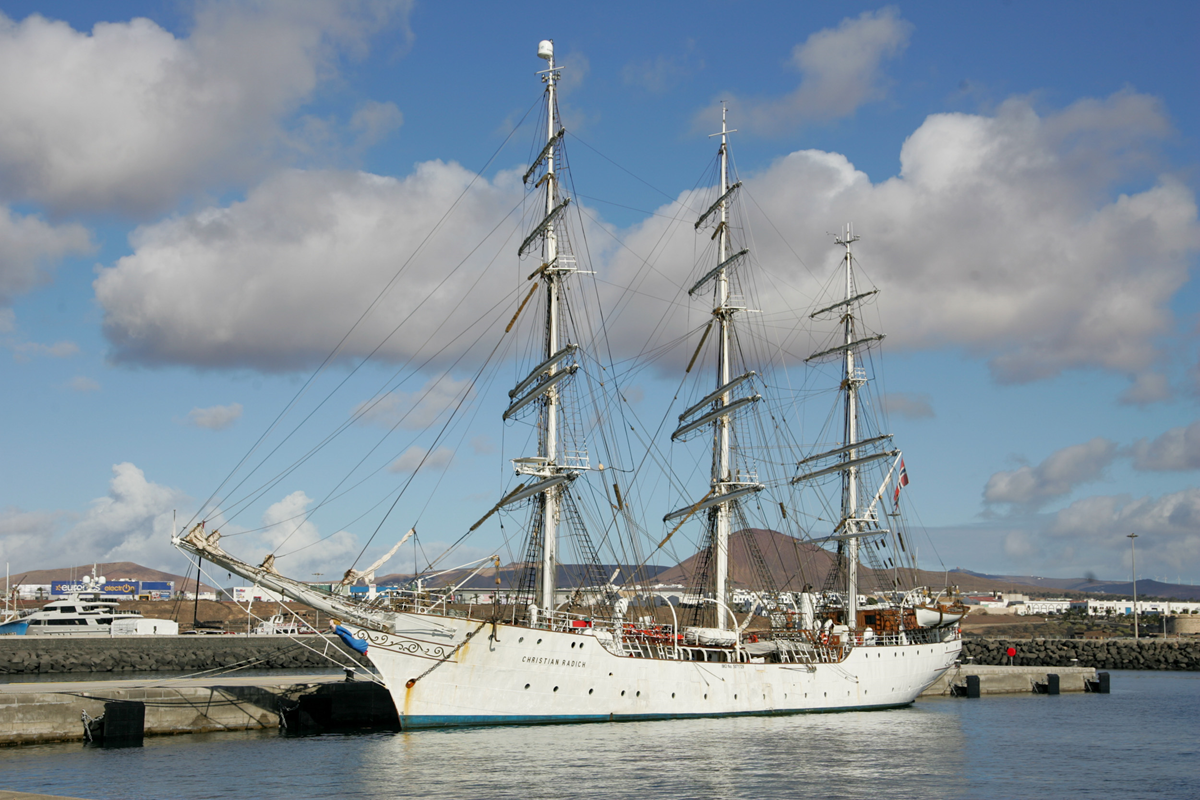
1014	746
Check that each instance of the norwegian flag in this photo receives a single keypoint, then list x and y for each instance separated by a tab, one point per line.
901	481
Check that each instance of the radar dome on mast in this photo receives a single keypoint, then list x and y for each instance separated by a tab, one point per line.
546	49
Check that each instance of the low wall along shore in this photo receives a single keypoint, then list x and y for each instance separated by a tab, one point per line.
1173	654
48	654
56	654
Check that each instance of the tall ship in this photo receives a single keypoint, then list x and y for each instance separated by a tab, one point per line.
845	632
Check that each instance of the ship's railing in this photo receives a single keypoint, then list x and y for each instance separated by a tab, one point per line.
911	636
646	638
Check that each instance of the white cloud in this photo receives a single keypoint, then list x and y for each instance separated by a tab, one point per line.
24	351
1019	545
299	545
1002	235
128	117
1168	528
1149	387
27	539
412	458
840	70
1038	267
30	248
215	418
132	522
309	253
373	121
663	72
1177	449
482	445
909	405
415	410
83	385
1058	475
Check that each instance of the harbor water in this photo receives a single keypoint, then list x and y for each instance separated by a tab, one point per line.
1137	742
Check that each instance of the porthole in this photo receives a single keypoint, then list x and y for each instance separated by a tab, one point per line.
556	688
827	694
527	686
520	640
672	695
539	641
639	694
705	697
735	697
622	693
591	690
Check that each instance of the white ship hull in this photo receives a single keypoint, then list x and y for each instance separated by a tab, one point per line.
511	675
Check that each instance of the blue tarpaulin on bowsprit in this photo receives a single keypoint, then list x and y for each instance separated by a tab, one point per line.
351	641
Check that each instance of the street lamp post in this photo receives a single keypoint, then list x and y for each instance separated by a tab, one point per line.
1133	569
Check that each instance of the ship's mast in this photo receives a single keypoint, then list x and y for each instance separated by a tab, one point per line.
850	476
717	408
720	466
549	416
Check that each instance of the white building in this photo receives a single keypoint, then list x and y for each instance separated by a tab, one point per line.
1101	608
244	594
1039	607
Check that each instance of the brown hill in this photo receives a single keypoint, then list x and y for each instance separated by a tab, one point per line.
792	564
113	571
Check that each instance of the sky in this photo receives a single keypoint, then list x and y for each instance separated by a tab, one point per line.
199	199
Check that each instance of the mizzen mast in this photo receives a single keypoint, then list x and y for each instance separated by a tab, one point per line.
853	453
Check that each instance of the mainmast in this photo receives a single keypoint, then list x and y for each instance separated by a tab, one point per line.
850	476
717	408
720	467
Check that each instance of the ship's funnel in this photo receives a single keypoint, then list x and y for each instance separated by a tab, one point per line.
546	49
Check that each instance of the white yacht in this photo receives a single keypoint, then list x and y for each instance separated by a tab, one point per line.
81	613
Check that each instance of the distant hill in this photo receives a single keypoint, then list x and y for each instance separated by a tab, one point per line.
113	571
509	574
1145	588
790	563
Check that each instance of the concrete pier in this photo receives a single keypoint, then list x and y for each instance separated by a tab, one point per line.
50	712
1010	680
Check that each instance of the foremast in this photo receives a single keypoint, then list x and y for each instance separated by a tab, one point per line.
543	383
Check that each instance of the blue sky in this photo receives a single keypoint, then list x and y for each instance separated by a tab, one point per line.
192	198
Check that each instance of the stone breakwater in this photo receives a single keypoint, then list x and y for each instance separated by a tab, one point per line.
30	654
1097	653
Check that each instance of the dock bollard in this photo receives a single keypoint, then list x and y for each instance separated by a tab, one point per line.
1099	686
123	724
